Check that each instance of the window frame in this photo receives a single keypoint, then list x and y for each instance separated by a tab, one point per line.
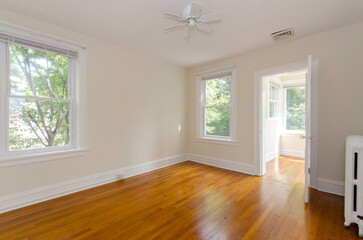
76	96
286	132
201	93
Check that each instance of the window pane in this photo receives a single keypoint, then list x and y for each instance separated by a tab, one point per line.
273	109
273	93
295	108
217	121
218	91
37	124
37	73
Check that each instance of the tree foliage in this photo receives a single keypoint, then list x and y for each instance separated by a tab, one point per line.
39	106
295	109
218	99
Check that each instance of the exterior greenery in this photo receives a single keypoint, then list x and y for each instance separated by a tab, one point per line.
295	108
218	106
38	106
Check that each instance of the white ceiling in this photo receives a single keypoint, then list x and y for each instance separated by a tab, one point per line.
139	24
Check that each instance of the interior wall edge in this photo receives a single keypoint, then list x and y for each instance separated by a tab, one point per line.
331	186
222	163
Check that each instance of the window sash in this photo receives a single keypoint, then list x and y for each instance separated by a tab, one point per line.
232	139
218	106
205	123
216	76
275	89
5	98
204	86
274	100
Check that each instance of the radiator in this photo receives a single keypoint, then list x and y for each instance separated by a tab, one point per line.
353	209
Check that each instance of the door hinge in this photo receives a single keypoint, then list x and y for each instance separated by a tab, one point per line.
309	170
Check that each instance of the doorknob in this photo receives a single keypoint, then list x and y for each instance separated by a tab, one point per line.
304	137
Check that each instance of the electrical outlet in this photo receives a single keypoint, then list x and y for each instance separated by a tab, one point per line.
120	176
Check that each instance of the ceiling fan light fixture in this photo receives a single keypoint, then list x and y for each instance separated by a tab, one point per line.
192	17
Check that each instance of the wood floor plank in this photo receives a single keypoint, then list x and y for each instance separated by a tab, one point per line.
188	201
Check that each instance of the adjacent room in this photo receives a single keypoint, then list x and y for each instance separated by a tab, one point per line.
283	114
181	119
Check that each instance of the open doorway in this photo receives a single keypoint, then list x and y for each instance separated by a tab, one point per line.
283	116
311	70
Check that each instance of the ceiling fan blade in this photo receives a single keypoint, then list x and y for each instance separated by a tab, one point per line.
174	17
195	9
211	17
205	28
187	33
174	27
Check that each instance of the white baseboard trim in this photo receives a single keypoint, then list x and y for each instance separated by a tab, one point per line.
30	197
26	198
292	153
270	156
221	163
331	186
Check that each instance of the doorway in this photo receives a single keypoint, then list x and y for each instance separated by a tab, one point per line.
283	117
278	103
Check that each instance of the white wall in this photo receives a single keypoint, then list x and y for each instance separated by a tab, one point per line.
292	145
135	106
340	95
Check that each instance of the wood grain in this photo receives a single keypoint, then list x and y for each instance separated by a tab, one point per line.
188	201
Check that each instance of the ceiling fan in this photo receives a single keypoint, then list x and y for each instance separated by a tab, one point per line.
192	18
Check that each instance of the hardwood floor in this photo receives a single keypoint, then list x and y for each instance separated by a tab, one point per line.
188	201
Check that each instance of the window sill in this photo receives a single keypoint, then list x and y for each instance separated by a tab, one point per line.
292	134
41	157
274	119
217	141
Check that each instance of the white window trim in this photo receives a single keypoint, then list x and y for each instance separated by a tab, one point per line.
284	131
200	136
78	113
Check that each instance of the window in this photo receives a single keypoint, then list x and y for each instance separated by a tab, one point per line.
217	105
273	101
295	109
42	99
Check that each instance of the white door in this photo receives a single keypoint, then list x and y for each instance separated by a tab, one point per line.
308	136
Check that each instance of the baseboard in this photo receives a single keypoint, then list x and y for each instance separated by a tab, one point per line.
221	163
23	199
331	186
292	153
270	156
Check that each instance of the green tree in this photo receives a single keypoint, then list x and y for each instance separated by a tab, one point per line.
218	101
38	106
295	109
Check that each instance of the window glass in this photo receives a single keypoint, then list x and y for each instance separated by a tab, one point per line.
273	93
273	101
218	91
38	103
217	109
295	108
217	121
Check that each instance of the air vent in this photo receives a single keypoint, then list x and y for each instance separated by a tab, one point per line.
283	34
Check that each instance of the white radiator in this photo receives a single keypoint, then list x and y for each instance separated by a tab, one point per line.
353	211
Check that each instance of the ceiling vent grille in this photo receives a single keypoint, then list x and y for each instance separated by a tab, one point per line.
283	34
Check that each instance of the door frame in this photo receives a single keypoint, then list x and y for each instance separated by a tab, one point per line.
314	115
